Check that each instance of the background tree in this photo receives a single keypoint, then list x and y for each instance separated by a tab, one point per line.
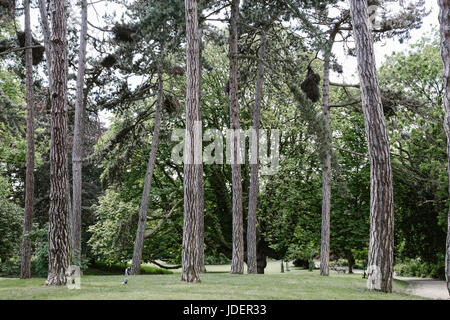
25	271
77	150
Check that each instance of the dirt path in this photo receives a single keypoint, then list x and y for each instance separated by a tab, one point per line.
428	288
424	287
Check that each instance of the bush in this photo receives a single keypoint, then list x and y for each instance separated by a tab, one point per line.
301	263
100	267
217	259
10	268
39	263
417	268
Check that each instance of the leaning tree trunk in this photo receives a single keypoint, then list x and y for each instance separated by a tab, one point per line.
25	267
326	169
444	20
77	150
380	265
254	176
237	261
192	149
58	214
140	234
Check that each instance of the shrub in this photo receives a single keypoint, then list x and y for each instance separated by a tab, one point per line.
417	268
10	268
217	259
99	267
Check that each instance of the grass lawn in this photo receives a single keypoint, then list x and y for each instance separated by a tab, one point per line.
219	284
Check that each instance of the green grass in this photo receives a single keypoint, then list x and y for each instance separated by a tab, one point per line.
296	284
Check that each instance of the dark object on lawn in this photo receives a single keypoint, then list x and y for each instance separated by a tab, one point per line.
108	61
123	33
310	85
38	53
171	104
177	71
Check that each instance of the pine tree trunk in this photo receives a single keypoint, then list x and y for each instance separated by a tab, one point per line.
380	265
254	176
46	33
326	169
237	261
201	223
77	150
139	242
59	243
192	149
25	268
444	20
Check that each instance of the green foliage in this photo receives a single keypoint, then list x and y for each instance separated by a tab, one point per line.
99	267
418	268
10	268
113	233
11	219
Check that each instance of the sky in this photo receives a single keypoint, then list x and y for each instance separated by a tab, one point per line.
97	8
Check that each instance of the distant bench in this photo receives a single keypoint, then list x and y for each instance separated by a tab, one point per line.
339	269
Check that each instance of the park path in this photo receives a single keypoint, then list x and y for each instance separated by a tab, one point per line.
427	288
424	287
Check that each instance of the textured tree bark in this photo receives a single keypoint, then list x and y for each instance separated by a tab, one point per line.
77	149
25	266
444	20
326	168
237	261
140	233
380	262
46	33
201	223
254	176
191	183
58	214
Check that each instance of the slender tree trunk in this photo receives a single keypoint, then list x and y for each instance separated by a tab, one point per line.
25	267
380	265
326	169
139	242
237	261
254	176
77	150
59	244
201	223
351	261
192	149
46	33
444	20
